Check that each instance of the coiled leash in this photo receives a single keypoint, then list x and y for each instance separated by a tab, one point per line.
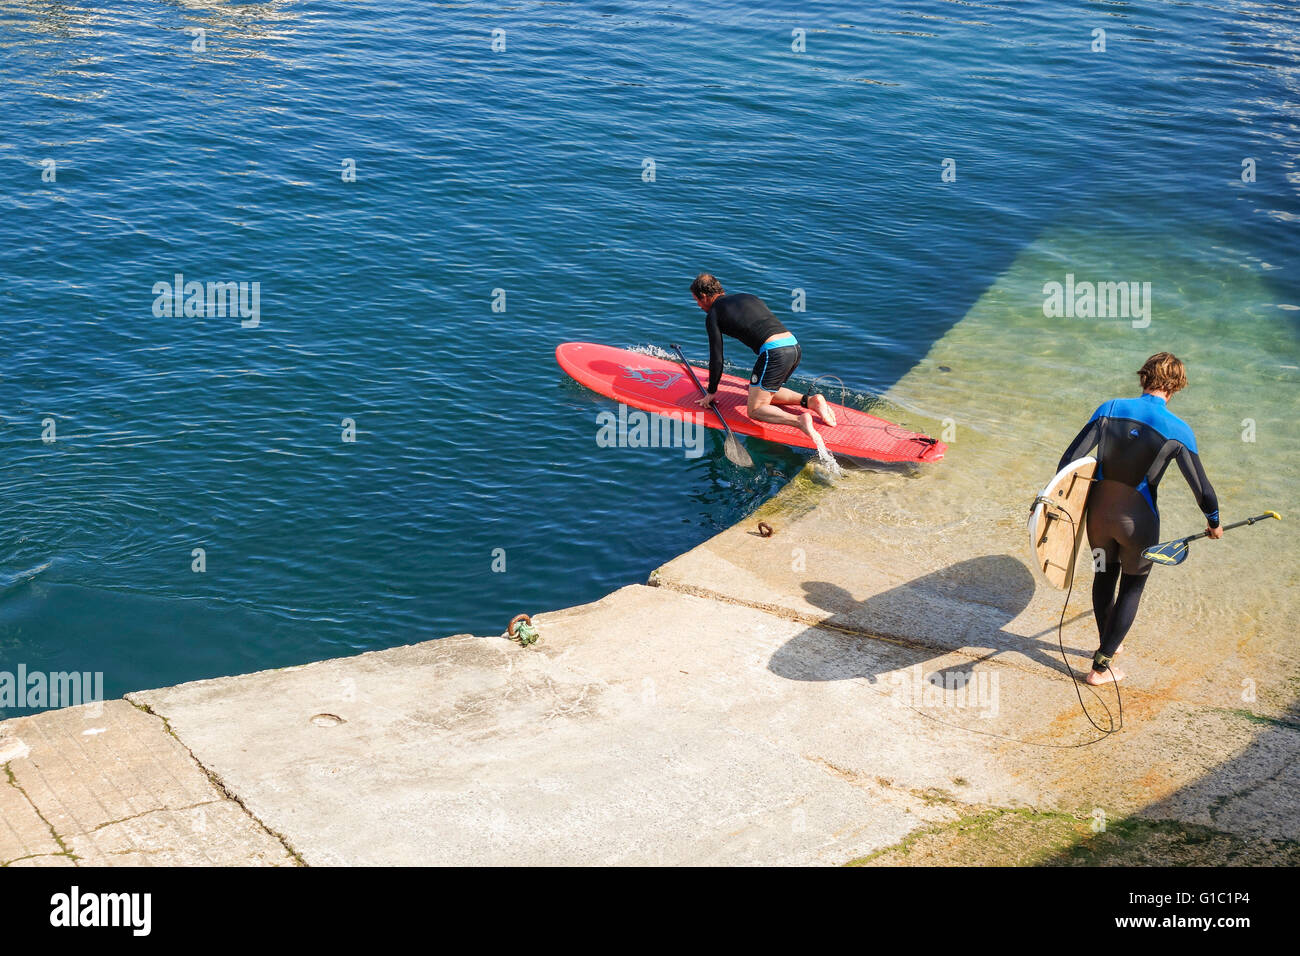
1099	659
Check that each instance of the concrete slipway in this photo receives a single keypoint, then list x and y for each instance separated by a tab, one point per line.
763	700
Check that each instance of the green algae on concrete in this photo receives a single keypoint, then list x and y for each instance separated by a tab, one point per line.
1003	836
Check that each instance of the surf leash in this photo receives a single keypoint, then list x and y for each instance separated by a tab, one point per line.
1060	638
1173	553
844	392
735	450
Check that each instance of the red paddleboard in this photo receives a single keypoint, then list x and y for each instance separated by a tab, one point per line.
664	387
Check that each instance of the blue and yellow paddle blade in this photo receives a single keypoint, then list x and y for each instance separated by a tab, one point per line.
1175	552
1171	552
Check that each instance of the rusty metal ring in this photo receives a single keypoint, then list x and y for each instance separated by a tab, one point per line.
510	628
765	530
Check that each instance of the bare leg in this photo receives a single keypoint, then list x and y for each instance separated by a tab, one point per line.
817	403
762	409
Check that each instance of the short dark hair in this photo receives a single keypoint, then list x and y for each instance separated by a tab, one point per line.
706	285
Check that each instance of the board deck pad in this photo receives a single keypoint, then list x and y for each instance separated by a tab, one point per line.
1053	537
664	387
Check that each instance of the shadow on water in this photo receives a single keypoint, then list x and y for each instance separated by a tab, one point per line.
972	601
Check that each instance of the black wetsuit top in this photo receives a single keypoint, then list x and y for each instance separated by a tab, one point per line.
744	317
1136	438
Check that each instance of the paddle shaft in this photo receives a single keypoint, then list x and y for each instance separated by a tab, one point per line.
1229	527
696	379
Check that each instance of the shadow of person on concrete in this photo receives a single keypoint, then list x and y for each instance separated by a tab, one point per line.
1239	813
965	605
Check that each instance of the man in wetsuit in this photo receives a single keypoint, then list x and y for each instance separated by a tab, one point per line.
1136	439
745	317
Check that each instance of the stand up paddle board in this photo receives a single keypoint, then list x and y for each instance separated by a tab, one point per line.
664	387
1056	523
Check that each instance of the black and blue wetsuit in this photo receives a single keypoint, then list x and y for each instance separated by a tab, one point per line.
745	317
1136	439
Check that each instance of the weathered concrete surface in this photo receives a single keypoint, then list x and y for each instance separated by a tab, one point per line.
650	727
108	785
658	726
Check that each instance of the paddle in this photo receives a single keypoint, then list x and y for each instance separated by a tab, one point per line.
736	453
1175	552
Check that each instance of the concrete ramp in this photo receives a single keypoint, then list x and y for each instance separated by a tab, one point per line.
650	727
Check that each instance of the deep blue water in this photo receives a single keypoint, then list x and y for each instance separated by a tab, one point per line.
519	170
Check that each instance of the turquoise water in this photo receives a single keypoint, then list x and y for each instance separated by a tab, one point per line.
522	170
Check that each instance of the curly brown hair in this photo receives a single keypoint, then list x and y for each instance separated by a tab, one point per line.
706	285
1163	372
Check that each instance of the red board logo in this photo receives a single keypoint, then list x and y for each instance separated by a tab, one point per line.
655	378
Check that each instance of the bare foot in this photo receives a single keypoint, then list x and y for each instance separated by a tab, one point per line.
822	407
1112	675
806	426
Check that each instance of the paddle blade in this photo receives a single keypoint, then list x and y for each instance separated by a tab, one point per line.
736	453
1170	553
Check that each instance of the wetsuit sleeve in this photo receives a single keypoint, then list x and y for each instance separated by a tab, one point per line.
1088	436
715	351
1190	464
1083	442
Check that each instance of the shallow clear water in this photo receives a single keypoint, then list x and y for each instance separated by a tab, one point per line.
522	170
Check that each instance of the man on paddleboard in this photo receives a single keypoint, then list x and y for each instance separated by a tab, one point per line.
745	317
1136	439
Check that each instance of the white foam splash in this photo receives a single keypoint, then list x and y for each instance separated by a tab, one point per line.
828	463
